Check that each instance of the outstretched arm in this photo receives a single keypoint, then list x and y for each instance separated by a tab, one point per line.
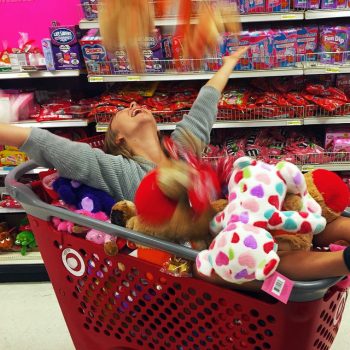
13	135
221	77
194	130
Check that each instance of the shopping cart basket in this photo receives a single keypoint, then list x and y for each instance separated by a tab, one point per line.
124	303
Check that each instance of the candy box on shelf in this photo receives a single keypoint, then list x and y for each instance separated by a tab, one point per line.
120	62
307	42
341	144
277	5
343	83
252	6
90	9
328	4
65	47
259	53
333	44
95	55
153	52
285	47
332	134
48	54
307	4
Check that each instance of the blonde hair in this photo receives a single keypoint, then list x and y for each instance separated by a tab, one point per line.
121	149
112	147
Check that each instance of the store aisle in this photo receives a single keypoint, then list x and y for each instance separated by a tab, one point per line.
30	319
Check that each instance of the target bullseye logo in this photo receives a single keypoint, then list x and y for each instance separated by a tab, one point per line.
73	262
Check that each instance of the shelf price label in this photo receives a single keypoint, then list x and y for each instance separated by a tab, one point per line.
96	79
133	78
22	75
289	16
332	70
308	167
294	122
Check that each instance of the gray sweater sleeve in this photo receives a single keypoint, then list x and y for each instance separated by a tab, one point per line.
79	161
200	119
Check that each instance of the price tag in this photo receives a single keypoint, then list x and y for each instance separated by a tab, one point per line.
288	16
22	75
333	70
101	127
134	78
294	122
96	79
308	167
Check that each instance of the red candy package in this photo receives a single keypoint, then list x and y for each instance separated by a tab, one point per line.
329	104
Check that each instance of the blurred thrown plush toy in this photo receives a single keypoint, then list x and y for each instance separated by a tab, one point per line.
126	24
243	249
329	191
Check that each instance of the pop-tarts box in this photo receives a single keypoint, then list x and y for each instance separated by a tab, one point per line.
96	57
307	42
285	47
65	47
252	6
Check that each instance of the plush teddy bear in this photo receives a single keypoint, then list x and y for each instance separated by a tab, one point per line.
243	249
329	191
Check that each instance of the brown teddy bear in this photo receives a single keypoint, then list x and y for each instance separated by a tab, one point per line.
329	191
168	206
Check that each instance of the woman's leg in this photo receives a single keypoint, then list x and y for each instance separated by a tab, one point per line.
336	231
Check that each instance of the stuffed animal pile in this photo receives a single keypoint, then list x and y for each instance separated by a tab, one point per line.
243	249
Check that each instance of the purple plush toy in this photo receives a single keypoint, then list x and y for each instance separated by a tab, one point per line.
83	196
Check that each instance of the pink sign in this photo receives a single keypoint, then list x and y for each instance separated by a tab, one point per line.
34	17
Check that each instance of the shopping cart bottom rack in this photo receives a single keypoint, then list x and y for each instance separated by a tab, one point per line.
124	303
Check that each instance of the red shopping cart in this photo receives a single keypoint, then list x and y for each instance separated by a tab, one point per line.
124	303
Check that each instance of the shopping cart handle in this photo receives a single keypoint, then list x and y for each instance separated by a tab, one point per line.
34	206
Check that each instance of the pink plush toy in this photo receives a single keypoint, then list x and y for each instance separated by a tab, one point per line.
243	249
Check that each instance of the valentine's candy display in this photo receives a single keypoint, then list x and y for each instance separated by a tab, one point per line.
210	246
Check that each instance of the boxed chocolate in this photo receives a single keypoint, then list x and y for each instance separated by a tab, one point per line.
65	47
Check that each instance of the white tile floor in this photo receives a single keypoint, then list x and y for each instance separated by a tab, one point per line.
30	319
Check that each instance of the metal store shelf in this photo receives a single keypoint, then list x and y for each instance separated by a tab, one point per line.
40	74
15	258
332	167
53	124
258	17
194	76
7	170
11	211
319	14
101	127
327	120
316	70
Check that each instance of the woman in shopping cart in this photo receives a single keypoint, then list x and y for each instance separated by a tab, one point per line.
134	148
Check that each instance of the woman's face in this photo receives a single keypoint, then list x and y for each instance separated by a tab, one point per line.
132	121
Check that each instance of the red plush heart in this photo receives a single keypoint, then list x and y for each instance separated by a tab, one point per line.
262	224
303	214
305	227
275	220
235	238
238	177
273	200
268	247
270	266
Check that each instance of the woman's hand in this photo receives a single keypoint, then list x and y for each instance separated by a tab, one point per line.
220	78
234	58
